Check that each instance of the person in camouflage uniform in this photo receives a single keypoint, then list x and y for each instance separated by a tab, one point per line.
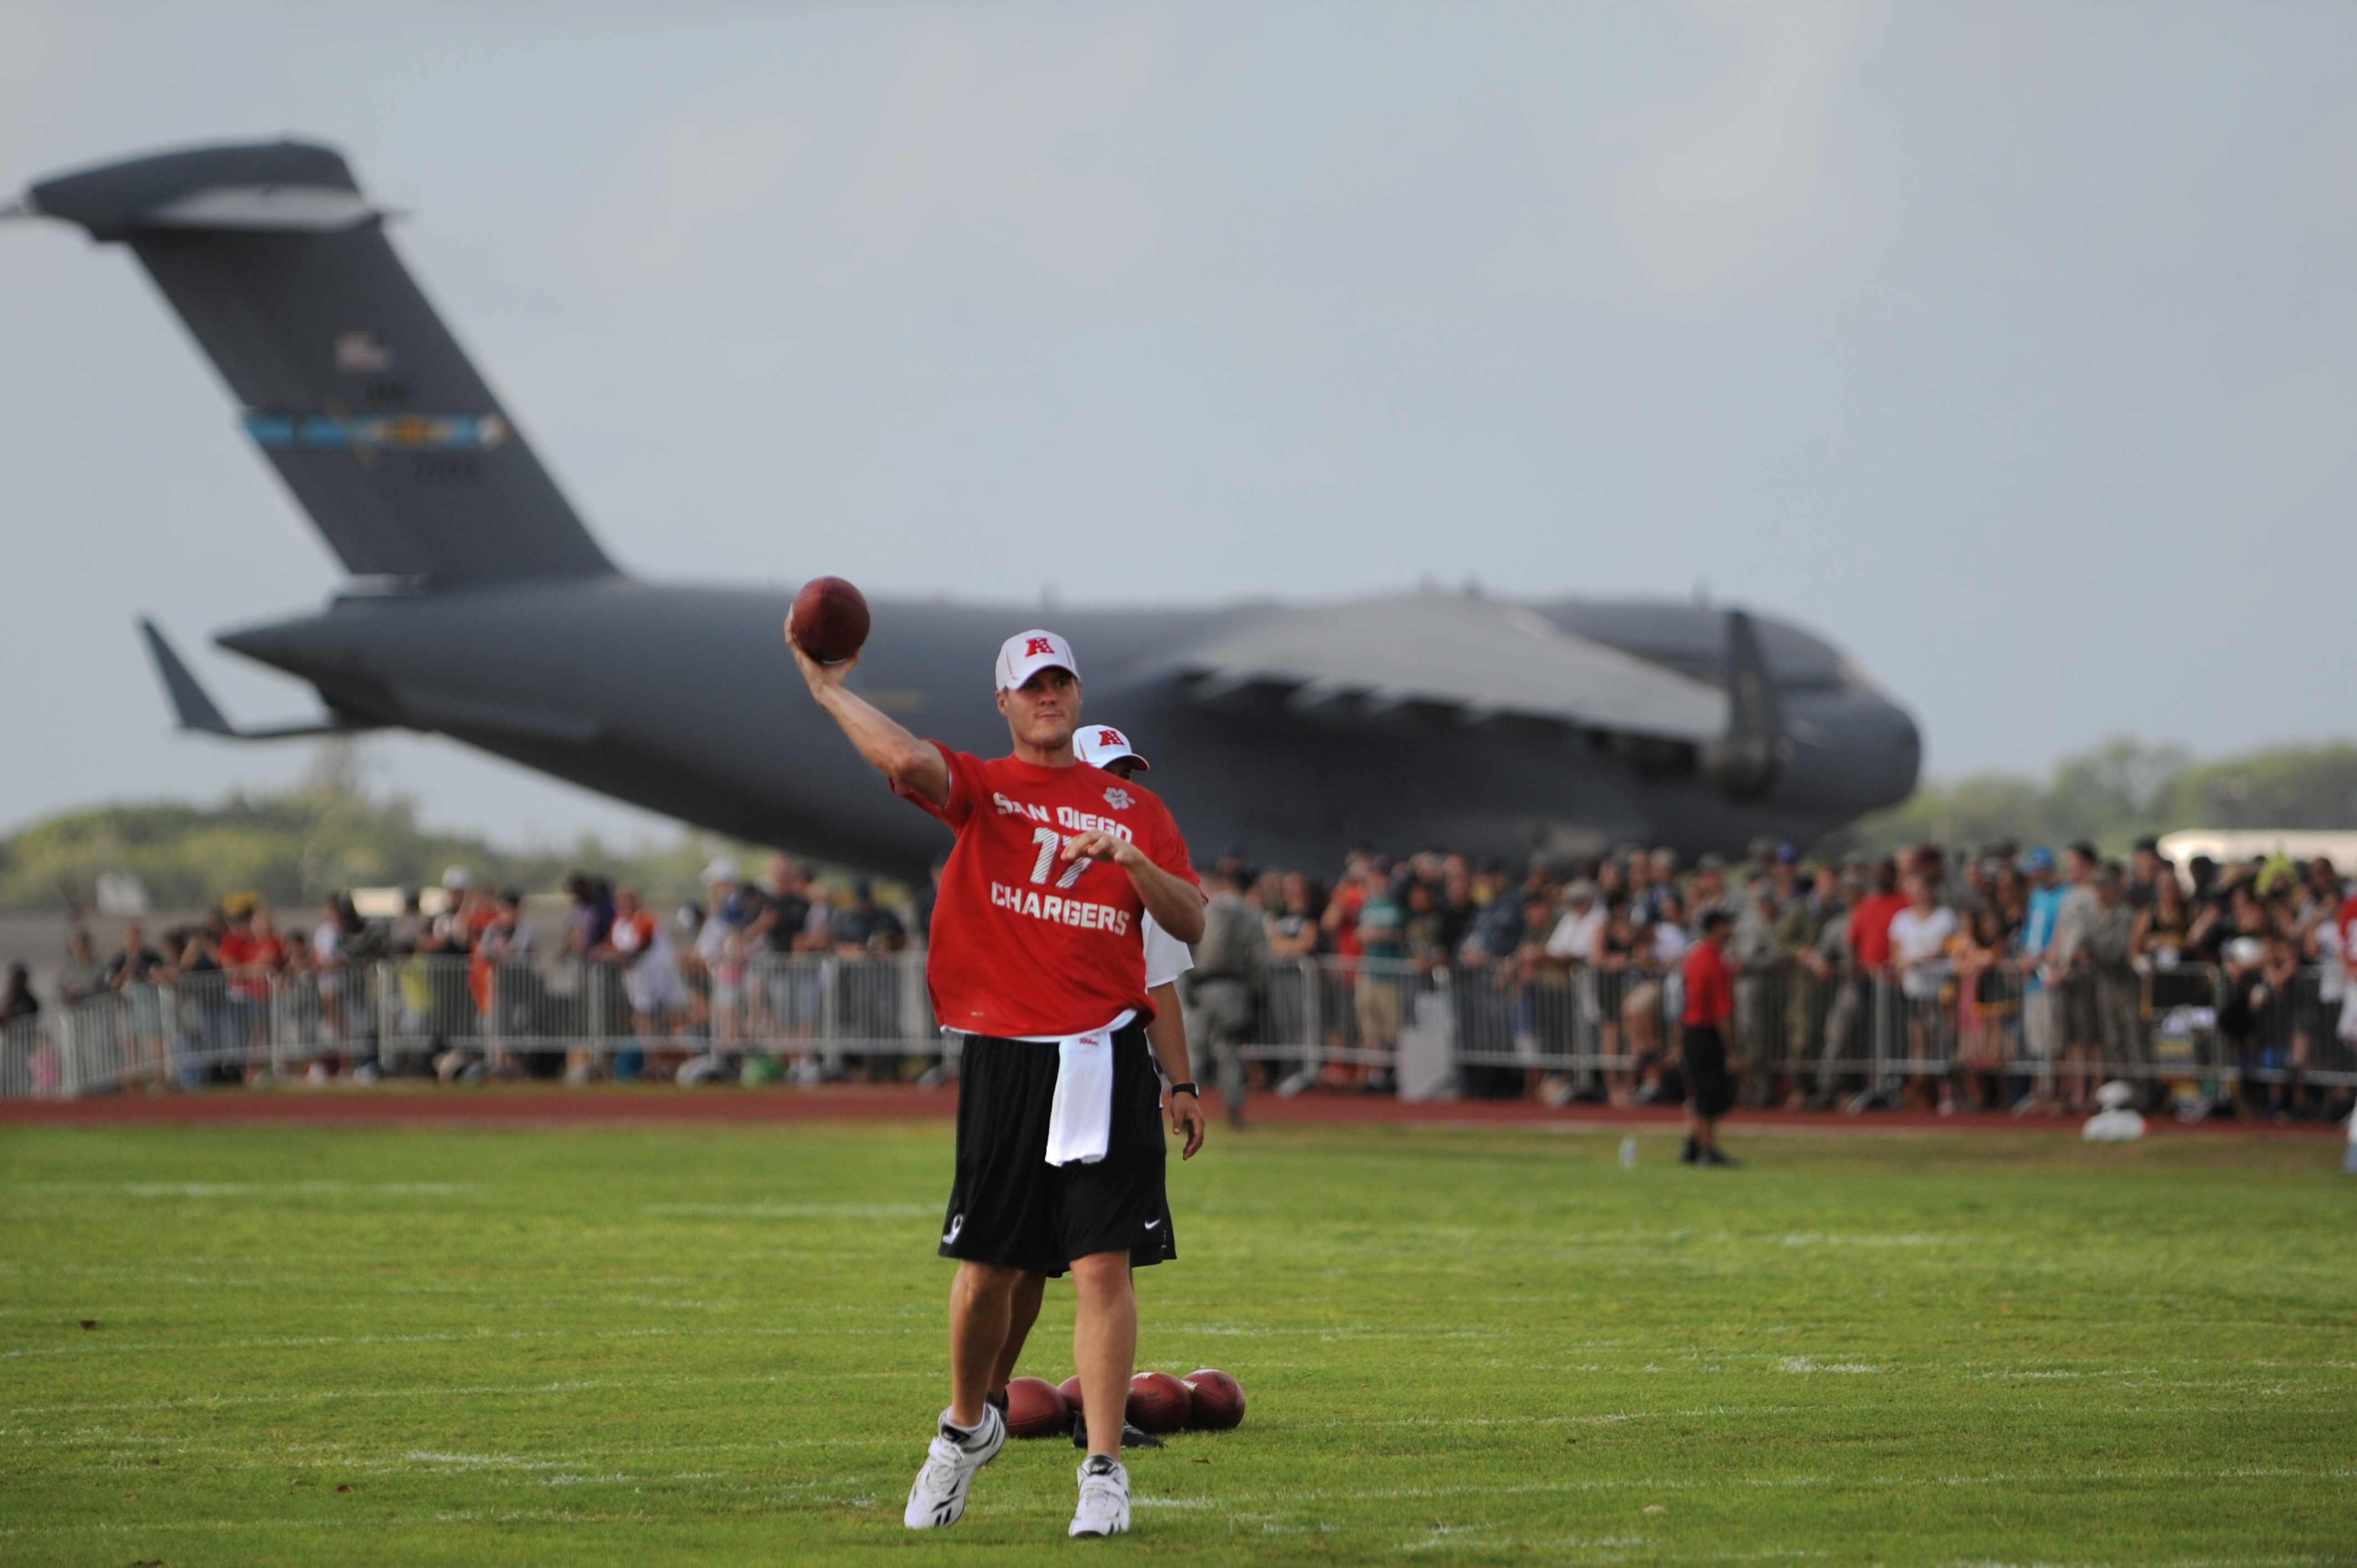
1230	968
2119	990
1798	926
1832	964
1751	953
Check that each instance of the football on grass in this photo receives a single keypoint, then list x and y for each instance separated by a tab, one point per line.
1034	1408
830	619
1217	1403
1158	1402
1070	1389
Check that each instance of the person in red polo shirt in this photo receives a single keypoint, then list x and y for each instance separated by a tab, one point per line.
1869	924
1702	1045
1038	956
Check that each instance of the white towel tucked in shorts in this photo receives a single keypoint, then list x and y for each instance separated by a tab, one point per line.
1080	1120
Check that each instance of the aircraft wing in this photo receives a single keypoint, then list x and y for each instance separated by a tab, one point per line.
1478	656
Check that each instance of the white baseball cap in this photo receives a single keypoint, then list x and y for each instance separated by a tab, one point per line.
1027	653
455	878
1101	746
722	869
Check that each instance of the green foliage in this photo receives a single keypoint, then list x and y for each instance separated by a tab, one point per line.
2119	792
328	833
723	1345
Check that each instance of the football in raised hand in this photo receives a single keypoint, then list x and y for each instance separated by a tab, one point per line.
829	619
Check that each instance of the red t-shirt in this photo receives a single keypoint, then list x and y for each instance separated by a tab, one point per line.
242	949
1025	943
1869	928
1710	994
1346	929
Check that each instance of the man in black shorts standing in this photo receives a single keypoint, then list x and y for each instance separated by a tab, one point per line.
1038	958
1703	1041
1167	957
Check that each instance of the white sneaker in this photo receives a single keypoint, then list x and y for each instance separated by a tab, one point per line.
939	1496
1104	1498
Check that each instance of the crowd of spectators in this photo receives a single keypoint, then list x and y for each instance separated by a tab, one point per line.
202	993
2008	977
700	998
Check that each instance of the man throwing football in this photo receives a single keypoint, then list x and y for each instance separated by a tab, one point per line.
1036	958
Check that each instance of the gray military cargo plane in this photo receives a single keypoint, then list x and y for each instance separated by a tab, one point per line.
481	609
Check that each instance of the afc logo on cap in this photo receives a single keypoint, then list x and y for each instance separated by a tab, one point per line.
1028	652
1109	737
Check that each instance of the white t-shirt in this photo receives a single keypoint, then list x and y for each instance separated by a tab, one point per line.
2331	962
2339	953
1917	939
640	935
1670	942
1575	934
1167	957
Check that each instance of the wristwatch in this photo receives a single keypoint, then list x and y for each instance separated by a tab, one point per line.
1187	1087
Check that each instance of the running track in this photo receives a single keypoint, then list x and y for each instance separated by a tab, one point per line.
608	1104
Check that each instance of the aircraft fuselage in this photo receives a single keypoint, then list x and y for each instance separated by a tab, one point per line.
683	699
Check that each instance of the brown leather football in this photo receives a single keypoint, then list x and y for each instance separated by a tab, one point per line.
1070	1389
1158	1402
1218	1403
1034	1408
830	619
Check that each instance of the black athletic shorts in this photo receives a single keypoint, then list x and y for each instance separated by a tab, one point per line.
1710	1088
1010	1206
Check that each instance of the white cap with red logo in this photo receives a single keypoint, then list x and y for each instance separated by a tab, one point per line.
1101	746
1027	653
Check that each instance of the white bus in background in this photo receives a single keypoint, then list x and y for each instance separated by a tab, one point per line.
2230	846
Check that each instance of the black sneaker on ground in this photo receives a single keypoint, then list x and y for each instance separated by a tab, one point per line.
1689	1151
1711	1156
1131	1436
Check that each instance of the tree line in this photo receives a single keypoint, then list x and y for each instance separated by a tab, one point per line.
2119	792
295	846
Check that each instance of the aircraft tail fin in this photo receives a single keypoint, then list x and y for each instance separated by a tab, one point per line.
1744	761
351	385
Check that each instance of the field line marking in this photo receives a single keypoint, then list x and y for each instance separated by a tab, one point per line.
397	1521
209	1401
243	1188
306	1342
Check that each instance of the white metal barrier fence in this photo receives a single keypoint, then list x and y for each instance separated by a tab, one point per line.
1859	1041
1492	1030
454	1017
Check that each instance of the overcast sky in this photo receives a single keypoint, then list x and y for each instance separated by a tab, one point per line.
2012	347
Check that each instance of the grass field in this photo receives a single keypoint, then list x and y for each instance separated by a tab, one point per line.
723	1345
